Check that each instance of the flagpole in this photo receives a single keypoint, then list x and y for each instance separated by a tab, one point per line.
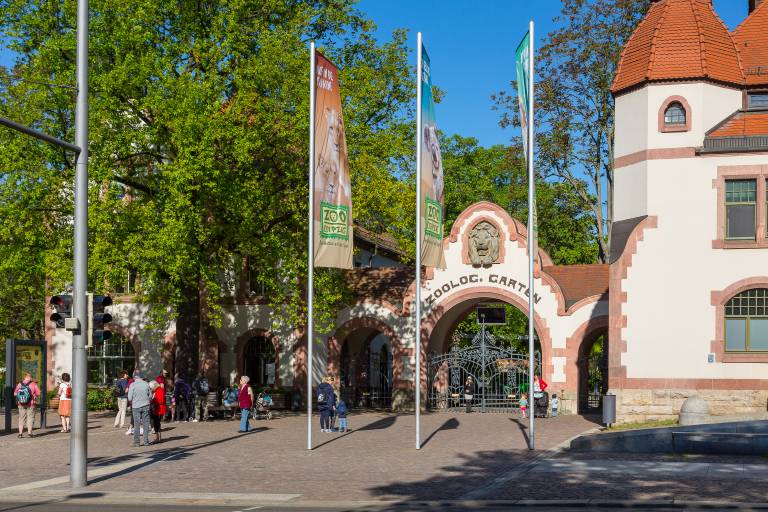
531	240
311	240
417	336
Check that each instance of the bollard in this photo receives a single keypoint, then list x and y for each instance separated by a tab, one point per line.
609	410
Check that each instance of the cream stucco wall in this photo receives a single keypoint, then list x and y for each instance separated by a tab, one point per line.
670	318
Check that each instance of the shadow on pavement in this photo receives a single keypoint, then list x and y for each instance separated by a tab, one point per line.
523	428
450	424
381	424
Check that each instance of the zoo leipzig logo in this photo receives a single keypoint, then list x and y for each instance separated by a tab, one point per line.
334	221
512	284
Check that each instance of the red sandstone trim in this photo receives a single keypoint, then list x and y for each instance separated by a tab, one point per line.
336	339
741	172
465	239
438	311
665	128
575	345
653	154
617	346
715	384
718	299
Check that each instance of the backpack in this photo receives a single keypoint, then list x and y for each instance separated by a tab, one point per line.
68	393
119	390
24	395
202	386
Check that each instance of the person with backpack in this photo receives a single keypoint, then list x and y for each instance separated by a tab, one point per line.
27	393
121	394
326	401
201	388
183	394
342	412
65	401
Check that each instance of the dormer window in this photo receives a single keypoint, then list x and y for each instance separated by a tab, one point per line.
757	100
674	115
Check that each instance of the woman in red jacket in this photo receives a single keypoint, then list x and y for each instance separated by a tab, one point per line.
157	407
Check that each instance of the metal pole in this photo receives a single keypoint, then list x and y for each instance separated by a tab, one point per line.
10	382
417	335
311	242
79	441
481	380
531	244
38	134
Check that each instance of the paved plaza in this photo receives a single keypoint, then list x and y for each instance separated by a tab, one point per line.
468	458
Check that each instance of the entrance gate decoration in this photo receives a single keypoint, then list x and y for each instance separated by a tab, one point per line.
500	375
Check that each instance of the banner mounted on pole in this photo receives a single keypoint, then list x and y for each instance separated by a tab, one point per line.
522	65
332	203
430	175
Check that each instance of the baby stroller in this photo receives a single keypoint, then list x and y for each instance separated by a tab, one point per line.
540	404
262	407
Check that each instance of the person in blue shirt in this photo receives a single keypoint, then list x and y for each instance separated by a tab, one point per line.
326	402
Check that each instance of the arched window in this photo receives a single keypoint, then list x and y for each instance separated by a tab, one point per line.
674	115
106	361
746	321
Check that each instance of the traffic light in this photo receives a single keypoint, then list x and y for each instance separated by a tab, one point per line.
63	306
97	319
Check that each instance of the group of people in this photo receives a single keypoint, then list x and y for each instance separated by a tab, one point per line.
27	394
539	387
331	408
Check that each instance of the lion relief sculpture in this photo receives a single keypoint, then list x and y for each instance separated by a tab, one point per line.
483	244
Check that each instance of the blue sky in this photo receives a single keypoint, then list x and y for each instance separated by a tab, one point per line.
471	47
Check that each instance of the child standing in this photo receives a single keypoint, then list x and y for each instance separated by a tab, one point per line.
341	412
65	401
524	405
555	405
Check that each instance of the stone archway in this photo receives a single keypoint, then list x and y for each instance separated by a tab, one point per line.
242	347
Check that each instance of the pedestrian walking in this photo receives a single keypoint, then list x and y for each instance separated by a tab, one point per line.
469	393
523	405
201	389
326	402
140	396
245	400
65	402
121	394
157	407
27	393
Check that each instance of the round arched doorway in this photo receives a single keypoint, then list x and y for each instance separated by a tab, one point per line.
259	361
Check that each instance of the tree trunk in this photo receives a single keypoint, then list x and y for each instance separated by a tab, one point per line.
188	334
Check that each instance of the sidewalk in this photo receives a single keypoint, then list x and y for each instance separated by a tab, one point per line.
465	457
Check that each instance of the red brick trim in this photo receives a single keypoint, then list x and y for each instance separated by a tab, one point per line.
665	128
741	172
245	338
653	154
617	372
718	299
486	292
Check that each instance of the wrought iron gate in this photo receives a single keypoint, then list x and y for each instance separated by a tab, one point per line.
499	374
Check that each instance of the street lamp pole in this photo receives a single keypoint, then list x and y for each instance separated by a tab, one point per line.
78	467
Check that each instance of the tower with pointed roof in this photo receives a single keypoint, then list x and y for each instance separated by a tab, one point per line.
689	248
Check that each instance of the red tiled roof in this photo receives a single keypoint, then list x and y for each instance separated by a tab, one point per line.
743	124
679	40
752	44
380	283
579	281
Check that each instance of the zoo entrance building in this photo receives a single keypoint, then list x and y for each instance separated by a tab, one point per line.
683	303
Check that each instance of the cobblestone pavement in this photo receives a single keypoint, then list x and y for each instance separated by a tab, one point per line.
475	456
